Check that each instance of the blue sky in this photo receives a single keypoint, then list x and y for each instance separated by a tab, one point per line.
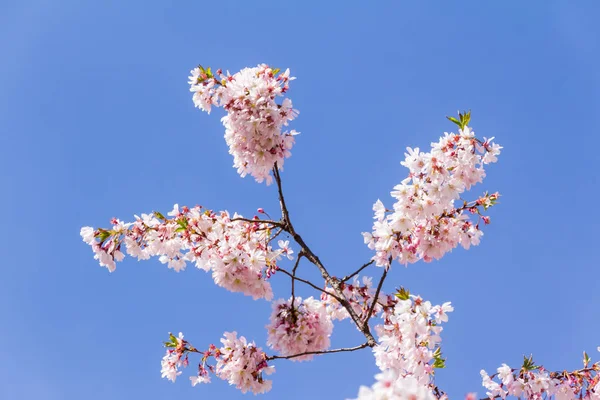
96	121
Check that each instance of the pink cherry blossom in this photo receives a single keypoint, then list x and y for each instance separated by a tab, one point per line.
238	252
409	338
424	223
254	120
535	382
299	326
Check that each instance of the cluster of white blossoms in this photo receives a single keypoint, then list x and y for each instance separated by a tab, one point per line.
254	120
240	363
410	336
392	386
424	223
535	382
299	326
238	252
243	364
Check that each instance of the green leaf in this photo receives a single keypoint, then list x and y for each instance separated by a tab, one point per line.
402	294
528	364
209	72
276	71
586	359
103	234
463	119
457	122
159	215
438	362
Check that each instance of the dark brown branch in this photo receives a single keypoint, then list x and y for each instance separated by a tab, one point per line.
285	216
313	258
357	271
385	271
362	346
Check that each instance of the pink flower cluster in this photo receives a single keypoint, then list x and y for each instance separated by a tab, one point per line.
238	362
254	121
238	252
410	336
243	364
299	326
392	386
535	382
424	223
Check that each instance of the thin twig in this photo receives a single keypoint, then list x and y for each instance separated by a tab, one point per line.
300	255
362	346
357	271
259	221
385	271
309	283
276	234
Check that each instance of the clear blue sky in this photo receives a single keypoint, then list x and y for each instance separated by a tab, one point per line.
96	121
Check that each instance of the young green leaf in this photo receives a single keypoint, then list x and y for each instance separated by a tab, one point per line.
402	294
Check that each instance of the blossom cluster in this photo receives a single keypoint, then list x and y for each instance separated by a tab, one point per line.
408	349
425	223
174	358
409	337
239	362
254	120
535	382
298	326
236	251
392	386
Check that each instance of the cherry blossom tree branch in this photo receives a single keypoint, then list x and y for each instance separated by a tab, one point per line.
340	350
560	375
347	277
313	258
